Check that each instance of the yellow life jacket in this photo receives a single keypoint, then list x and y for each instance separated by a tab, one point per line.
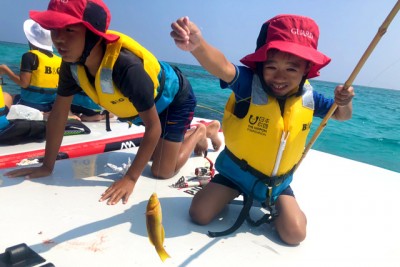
105	93
44	80
2	103
3	119
256	138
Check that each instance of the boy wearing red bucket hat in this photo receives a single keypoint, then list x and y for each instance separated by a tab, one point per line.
266	120
126	79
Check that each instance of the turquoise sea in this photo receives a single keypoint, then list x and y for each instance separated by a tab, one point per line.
371	136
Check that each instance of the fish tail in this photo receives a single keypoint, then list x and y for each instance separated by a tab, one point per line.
162	253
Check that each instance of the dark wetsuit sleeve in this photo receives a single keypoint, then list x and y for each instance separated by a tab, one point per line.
133	81
29	62
67	85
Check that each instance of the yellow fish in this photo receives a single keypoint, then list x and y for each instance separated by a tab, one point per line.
155	230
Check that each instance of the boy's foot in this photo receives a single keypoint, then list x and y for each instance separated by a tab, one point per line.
202	145
212	128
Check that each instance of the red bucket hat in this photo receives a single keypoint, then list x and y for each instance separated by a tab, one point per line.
292	34
93	14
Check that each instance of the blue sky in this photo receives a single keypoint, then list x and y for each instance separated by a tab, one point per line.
346	30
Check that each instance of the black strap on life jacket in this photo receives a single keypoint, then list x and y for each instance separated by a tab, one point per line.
268	180
269	204
41	90
108	125
245	213
3	112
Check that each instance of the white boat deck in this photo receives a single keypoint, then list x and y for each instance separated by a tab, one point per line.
352	211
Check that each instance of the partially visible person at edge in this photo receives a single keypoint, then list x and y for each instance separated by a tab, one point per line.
5	104
86	109
128	81
39	70
271	98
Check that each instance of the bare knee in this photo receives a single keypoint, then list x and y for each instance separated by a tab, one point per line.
161	174
292	233
199	216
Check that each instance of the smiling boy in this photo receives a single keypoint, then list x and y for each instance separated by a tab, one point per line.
266	119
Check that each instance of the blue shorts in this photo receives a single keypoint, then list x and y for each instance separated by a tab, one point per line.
41	107
176	118
220	179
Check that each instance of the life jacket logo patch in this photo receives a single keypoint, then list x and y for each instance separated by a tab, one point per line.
51	70
306	126
258	125
253	120
117	101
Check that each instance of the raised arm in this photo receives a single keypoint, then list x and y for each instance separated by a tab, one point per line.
188	37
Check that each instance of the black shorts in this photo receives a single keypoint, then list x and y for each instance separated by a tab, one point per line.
220	179
176	118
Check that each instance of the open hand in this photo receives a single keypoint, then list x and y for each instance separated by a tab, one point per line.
29	173
121	189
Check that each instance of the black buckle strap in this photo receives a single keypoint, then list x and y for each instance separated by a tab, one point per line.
268	180
4	111
108	124
248	199
41	91
245	215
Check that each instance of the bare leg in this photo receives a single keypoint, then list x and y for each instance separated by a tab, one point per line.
210	201
291	223
202	145
97	117
70	116
212	129
169	157
47	114
93	118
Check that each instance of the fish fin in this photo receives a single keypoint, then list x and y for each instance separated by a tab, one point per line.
162	234
148	232
162	253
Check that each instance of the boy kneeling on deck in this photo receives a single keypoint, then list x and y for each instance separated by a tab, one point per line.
272	104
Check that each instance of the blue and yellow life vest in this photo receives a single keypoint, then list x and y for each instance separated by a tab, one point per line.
3	119
107	95
44	80
256	137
